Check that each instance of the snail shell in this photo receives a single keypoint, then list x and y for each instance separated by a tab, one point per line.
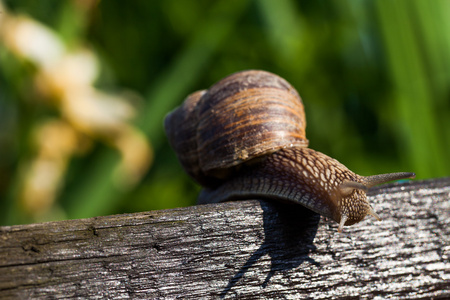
244	138
242	117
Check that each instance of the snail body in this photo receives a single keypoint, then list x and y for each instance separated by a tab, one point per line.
244	138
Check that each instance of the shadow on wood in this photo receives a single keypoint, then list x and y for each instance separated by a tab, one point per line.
247	249
285	227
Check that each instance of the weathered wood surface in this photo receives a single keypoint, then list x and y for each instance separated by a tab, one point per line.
248	249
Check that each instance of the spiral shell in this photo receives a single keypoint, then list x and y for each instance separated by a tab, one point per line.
243	117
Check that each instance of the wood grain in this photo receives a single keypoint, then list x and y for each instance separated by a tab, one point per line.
247	250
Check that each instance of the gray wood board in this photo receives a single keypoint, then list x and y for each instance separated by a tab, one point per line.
247	249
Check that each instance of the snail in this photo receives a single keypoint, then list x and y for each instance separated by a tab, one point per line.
244	138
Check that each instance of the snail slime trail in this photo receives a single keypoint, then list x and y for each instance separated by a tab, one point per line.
244	138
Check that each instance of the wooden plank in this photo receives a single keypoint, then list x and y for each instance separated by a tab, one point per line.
248	249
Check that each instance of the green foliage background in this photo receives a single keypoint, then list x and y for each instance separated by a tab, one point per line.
374	77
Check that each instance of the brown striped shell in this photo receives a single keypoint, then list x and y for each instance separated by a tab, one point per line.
243	117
